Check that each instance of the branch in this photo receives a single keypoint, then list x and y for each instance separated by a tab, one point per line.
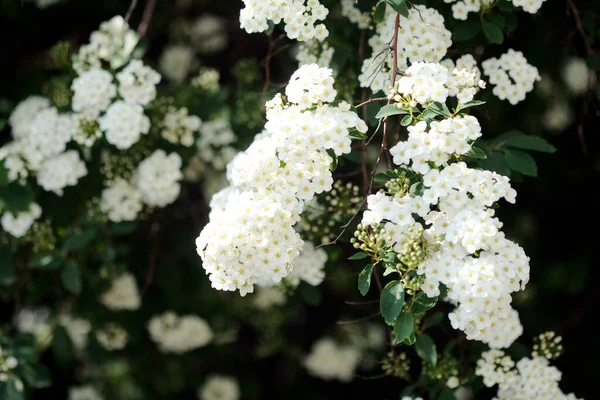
155	234
268	67
148	11
364	103
130	10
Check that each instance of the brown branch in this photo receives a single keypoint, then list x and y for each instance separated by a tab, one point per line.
146	17
364	103
130	10
384	140
268	67
580	26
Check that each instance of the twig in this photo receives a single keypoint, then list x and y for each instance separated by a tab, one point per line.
364	103
155	234
384	144
146	17
130	10
354	321
361	303
268	67
365	118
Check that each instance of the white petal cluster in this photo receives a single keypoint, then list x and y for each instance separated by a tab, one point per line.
176	61
112	337
137	83
34	321
77	329
578	77
250	236
349	10
267	297
466	62
18	225
214	144
301	17
179	127
46	3
123	294
61	171
121	201
330	360
22	116
208	34
84	393
179	334
314	52
512	76
219	387
93	92
462	8
421	37
425	82
309	266
157	178
530	378
124	123
113	37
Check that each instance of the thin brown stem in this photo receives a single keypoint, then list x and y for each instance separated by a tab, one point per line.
130	10
364	103
155	234
384	139
268	67
146	17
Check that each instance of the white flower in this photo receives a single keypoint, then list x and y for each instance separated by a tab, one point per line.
124	123
208	34
179	127
112	337
77	329
349	10
61	171
121	201
308	266
267	297
84	393
329	360
175	62
137	83
21	117
218	387
157	178
123	294
314	52
179	334
18	225
93	92
577	76
512	76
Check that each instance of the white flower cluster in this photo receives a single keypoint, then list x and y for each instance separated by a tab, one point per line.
179	127
77	329
124	123
462	8
157	178
512	76
314	52
214	144
250	236
578	77
207	33
18	225
112	337
121	201
308	266
466	62
425	82
123	294
362	19
176	62
93	92
421	37
330	360
301	17
7	363
84	393
179	334
267	297
61	171
219	387
461	244
530	378
32	320
137	83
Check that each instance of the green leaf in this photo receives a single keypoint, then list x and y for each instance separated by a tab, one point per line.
492	32
527	142
426	349
433	319
354	134
399	6
62	347
71	277
36	376
406	121
428	115
7	274
271	27
358	256
12	389
45	260
392	300
497	19
334	159
364	279
495	162
388	110
521	162
471	103
465	31
123	228
379	13
403	326
476	152
423	303
447	394
381	178
16	198
440	109
60	54
79	241
410	340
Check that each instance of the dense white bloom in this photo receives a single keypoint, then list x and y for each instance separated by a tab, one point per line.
18	225
22	116
48	136
84	393
531	6
314	52
112	337
61	171
179	127
77	329
218	387
310	85
578	77
349	10
329	360
512	76
462	8
12	155
267	297
93	92
123	294
34	321
421	37
214	144
466	62
208	34
124	123
157	178
137	83
121	201
308	266
176	61
557	116
300	17
179	334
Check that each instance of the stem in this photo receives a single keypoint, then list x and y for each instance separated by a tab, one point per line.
268	66
146	17
384	144
155	234
130	10
364	103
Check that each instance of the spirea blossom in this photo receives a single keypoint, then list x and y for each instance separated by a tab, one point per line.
218	387
61	171
18	224
421	37
179	127
121	201
330	360
34	321
512	76
350	11
314	52
48	136
176	61
77	329
308	266
112	337
267	297
84	393
137	83
22	116
214	144
123	294
250	237
300	17
462	8
577	76
157	178
179	334
93	92
124	123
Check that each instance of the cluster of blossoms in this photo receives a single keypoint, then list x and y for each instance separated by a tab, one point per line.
421	37
330	360
179	334
18	225
7	364
577	76
425	82
84	393
314	52
250	237
465	62
123	294
112	337
349	10
219	387
267	297
179	127
301	17
512	76
77	329
215	144
462	8
529	378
